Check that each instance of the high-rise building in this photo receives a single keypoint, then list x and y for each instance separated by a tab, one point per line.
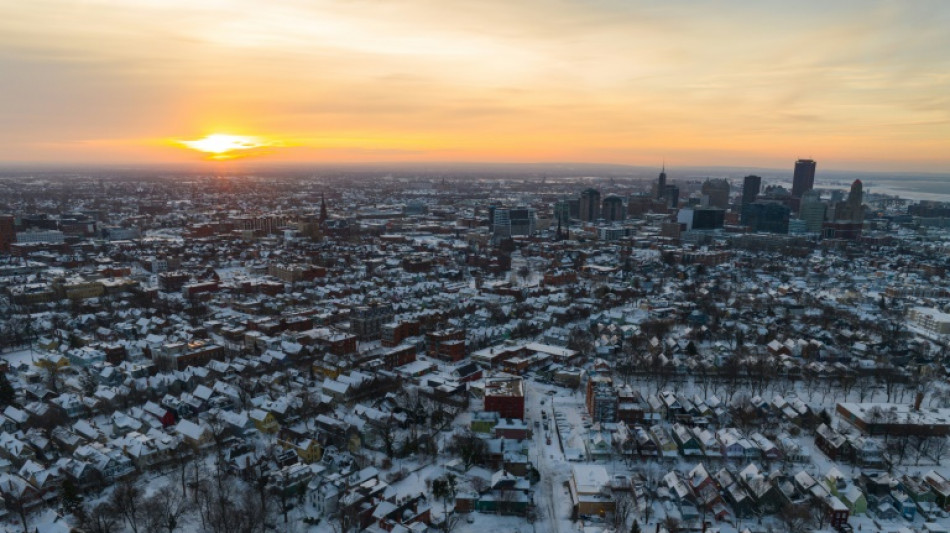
751	185
716	193
701	218
854	206
367	320
803	179
637	206
848	216
812	211
613	208
671	196
7	233
660	185
590	205
562	212
519	221
574	207
769	217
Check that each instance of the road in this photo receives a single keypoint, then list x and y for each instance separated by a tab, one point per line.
549	458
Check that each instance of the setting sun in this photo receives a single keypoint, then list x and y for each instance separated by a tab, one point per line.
222	146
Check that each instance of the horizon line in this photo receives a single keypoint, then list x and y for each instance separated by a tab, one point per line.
246	166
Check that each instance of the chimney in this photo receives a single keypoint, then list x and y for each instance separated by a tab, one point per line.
918	400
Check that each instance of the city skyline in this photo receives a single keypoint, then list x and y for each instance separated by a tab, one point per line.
860	86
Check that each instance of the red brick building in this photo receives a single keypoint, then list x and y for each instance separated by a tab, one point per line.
446	344
393	334
398	356
505	396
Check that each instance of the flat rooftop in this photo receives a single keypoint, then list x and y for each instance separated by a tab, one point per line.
504	387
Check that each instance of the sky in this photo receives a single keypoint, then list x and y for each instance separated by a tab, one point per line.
862	85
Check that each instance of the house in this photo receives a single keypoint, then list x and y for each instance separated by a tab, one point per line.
940	487
836	511
832	443
917	489
708	442
264	421
765	493
588	489
195	435
904	505
766	447
686	441
854	498
411	515
730	445
309	450
735	494
163	415
665	445
646	446
507	494
484	421
866	451
598	445
677	487
17	491
704	487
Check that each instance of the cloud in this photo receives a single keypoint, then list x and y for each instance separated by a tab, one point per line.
494	79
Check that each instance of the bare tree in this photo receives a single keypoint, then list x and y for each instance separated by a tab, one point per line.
16	502
624	507
164	509
672	524
796	517
98	519
937	448
818	511
126	502
469	447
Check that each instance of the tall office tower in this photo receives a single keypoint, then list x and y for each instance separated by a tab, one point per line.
812	211
671	196
766	216
804	178
613	208
590	205
847	221
7	233
519	221
661	184
751	185
716	193
562	212
856	202
852	210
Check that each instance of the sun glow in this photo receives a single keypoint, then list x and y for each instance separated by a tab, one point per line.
224	146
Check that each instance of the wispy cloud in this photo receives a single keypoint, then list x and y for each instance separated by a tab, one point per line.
594	80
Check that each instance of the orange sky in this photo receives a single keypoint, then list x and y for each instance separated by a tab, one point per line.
861	85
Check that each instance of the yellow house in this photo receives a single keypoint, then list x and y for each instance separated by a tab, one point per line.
264	421
52	360
309	450
47	343
327	368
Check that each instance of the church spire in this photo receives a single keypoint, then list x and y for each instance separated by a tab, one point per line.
323	208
